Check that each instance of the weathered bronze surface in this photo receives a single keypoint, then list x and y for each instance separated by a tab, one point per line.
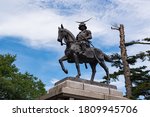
79	51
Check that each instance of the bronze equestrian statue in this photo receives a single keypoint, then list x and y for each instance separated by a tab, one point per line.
76	53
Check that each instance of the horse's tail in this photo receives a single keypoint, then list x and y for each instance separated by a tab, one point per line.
99	55
107	58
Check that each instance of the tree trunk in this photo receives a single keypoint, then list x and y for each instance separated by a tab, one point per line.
126	67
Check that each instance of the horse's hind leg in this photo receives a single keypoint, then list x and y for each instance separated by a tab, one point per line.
64	58
103	65
93	67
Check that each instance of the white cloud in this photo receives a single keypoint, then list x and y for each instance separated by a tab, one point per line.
36	21
39	28
137	7
36	26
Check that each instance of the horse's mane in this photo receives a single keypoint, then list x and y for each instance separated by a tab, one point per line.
70	33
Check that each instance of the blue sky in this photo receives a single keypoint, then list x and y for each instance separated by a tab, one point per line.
28	29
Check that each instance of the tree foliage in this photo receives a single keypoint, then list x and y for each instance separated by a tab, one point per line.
144	41
15	85
140	76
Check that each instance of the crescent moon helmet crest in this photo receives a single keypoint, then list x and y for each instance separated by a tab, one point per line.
82	23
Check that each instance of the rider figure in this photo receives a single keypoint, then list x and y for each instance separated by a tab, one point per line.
83	37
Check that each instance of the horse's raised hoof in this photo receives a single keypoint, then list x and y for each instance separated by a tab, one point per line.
66	71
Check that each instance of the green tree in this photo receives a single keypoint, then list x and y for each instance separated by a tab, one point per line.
15	85
140	76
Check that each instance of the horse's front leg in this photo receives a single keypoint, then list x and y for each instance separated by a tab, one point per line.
77	65
64	58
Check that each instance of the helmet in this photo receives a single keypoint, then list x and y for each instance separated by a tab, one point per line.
82	24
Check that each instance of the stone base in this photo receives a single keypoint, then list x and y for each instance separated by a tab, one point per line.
79	89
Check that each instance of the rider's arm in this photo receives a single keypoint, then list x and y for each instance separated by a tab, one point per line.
89	35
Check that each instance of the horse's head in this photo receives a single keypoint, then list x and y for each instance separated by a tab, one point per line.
61	34
65	34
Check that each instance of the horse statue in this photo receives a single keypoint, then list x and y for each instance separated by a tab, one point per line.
92	55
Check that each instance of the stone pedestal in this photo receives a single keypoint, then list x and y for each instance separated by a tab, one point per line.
79	89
